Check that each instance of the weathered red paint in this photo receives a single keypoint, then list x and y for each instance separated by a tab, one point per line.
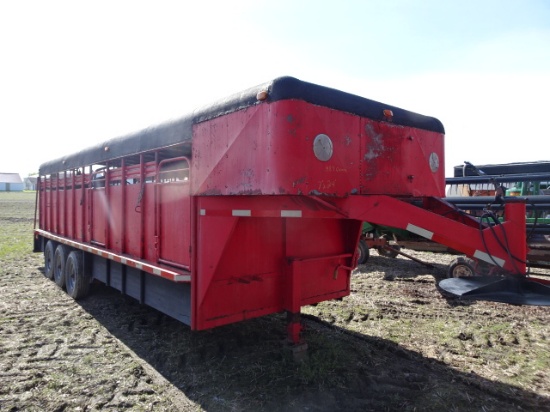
261	223
267	150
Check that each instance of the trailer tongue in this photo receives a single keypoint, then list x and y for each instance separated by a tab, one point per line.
497	251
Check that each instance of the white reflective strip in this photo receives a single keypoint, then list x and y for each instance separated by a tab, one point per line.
419	231
130	262
237	212
488	258
291	213
203	212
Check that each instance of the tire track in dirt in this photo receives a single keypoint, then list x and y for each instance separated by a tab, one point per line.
96	354
55	356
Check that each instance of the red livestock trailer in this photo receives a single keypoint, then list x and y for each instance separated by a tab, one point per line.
254	205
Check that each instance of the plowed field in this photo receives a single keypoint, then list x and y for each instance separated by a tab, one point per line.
394	344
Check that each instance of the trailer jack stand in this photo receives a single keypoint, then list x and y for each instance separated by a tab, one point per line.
297	346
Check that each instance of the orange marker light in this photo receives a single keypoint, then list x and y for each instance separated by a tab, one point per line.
262	95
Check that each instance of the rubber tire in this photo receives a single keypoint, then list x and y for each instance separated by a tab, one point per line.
389	253
49	256
461	267
77	282
362	252
59	261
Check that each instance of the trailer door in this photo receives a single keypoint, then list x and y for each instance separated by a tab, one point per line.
173	213
98	209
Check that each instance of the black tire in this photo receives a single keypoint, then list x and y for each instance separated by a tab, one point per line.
462	267
77	281
59	261
362	252
49	256
390	253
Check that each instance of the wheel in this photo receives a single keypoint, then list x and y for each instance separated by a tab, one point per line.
77	281
362	252
49	252
391	253
59	260
462	267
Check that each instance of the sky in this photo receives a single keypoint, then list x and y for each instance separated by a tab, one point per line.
76	73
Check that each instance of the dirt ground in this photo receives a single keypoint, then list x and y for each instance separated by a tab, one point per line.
394	344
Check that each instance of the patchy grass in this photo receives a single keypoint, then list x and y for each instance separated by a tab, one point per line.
16	217
500	342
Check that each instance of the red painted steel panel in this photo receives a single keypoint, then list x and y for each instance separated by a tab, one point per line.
271	149
149	242
444	229
44	204
133	232
243	262
98	215
174	235
401	161
296	125
69	213
54	210
78	207
115	215
61	211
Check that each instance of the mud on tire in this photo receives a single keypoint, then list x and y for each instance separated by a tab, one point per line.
362	252
77	281
49	256
461	267
59	261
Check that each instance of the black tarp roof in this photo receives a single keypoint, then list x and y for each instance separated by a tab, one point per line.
179	131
